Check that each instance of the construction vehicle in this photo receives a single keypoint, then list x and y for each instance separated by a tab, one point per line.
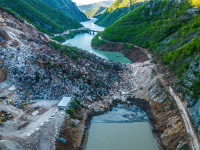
11	102
5	116
8	115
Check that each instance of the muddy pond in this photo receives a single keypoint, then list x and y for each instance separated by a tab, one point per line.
121	129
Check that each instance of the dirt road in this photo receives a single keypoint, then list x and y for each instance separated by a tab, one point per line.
188	125
42	128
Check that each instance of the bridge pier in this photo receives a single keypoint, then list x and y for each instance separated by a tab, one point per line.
93	32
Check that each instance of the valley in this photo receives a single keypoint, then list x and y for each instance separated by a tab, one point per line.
126	79
95	10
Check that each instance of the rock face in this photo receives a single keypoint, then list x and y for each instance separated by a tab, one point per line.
68	8
190	87
3	36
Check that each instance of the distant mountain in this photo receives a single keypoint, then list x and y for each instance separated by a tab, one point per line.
118	9
95	9
68	8
41	15
95	12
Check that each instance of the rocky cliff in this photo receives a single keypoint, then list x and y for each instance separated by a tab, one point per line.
68	8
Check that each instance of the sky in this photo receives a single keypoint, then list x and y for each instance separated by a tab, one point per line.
80	2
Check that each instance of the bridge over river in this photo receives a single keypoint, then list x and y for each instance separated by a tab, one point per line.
92	31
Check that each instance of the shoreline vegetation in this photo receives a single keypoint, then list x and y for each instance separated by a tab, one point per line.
129	50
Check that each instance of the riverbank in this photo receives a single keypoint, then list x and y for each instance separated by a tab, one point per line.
133	53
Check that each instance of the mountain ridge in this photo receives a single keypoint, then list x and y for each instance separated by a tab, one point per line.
41	15
95	9
68	8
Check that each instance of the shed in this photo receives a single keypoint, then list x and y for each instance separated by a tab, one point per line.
64	103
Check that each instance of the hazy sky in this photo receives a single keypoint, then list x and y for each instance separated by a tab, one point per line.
86	1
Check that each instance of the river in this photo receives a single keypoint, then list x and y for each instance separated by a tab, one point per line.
83	41
122	128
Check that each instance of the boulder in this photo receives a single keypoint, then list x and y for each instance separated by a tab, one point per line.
4	36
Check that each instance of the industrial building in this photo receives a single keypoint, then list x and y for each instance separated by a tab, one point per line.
64	103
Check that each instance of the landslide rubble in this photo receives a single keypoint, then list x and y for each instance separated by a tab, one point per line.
38	71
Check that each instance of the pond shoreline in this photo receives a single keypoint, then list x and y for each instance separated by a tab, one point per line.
142	104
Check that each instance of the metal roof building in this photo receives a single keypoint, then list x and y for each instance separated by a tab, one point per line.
64	103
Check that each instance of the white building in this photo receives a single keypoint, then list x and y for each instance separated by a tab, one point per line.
64	103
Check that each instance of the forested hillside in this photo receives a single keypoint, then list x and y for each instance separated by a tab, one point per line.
68	8
171	30
118	9
41	15
95	9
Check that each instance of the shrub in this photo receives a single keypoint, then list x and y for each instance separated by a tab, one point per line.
73	106
185	147
196	89
70	111
172	105
55	45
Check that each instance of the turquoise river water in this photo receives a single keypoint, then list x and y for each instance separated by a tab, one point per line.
84	41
